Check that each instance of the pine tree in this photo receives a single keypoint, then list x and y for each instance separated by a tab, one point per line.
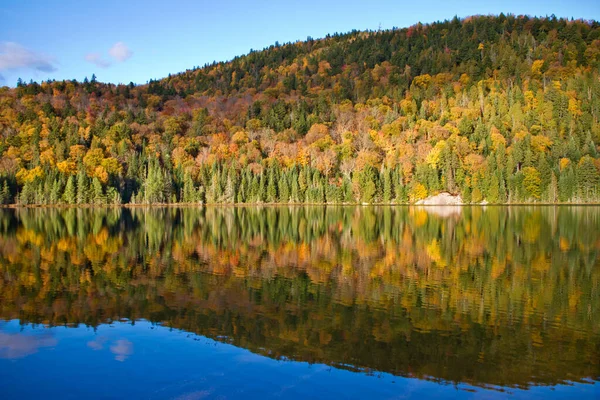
189	191
367	183
588	178
27	195
112	196
272	188
230	186
295	190
284	190
254	190
493	193
241	192
70	194
333	194
82	187
347	195
5	193
97	192
553	189
262	189
55	192
399	191
532	183
387	186
566	184
214	190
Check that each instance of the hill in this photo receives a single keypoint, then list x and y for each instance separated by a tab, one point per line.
497	108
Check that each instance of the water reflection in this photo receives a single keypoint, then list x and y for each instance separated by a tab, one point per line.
17	345
121	348
495	296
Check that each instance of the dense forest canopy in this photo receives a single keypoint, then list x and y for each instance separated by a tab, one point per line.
497	108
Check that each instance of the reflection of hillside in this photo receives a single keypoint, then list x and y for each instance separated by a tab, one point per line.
496	296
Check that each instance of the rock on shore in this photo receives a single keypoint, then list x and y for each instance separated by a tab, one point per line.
441	199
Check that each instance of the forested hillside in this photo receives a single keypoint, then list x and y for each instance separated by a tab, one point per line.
497	108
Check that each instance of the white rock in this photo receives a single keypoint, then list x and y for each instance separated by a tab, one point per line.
441	199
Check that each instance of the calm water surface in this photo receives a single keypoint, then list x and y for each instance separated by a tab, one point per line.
296	302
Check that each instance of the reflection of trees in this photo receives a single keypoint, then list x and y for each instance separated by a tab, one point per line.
487	296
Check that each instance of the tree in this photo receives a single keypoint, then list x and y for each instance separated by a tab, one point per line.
588	178
367	184
418	192
388	193
97	192
566	184
82	187
155	189
532	182
70	194
284	190
5	194
190	194
272	187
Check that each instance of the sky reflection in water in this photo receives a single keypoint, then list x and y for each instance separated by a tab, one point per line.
145	360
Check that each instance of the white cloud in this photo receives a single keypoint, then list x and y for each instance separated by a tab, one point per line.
96	59
120	52
122	349
15	56
17	345
97	343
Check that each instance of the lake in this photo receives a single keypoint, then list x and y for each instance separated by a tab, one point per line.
296	302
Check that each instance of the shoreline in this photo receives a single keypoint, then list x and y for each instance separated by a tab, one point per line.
201	205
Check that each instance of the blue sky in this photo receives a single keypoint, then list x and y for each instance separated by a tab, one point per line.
123	41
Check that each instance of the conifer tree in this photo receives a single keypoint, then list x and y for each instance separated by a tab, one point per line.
387	192
284	190
5	193
82	187
271	195
97	192
70	194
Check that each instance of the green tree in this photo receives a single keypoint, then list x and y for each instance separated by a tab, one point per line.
532	182
70	194
82	187
98	192
588	178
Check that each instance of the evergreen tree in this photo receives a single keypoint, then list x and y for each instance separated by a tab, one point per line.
154	185
566	184
588	178
230	186
189	191
5	194
388	194
367	184
70	194
272	188
347	195
284	190
82	187
97	192
532	183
